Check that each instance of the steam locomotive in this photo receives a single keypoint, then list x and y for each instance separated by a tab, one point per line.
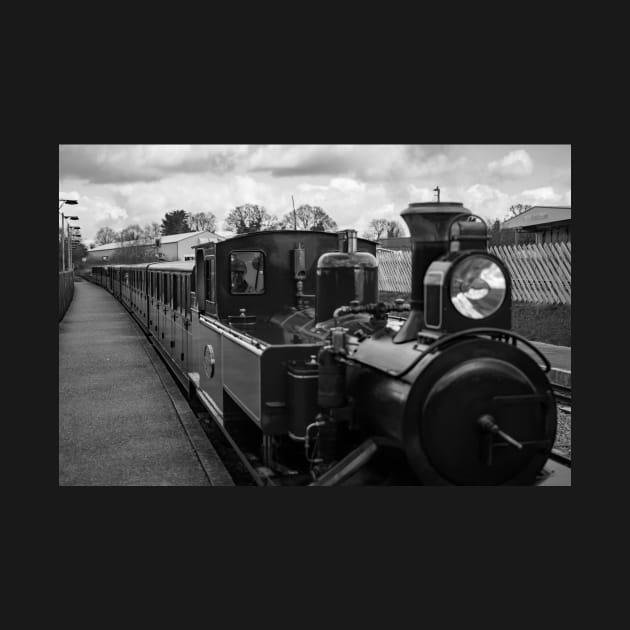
314	381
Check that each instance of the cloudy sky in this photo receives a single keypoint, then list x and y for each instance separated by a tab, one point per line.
117	185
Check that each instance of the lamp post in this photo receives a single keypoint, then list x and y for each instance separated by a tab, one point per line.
64	216
72	239
72	202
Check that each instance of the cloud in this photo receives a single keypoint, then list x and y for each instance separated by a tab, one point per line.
514	164
360	162
296	160
419	195
347	185
96	212
107	164
437	165
121	164
544	195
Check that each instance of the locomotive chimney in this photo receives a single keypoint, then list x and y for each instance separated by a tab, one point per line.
428	224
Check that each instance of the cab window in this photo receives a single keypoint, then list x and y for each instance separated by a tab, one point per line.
247	272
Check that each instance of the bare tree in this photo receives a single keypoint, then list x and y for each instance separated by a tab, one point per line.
376	229
394	229
106	235
308	218
152	231
202	221
131	233
250	218
519	208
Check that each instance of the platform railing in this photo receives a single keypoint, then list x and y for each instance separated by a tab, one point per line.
66	291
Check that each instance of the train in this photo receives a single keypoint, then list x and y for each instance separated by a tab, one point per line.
314	381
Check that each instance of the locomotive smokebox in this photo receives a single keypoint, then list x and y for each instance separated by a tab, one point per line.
428	224
345	276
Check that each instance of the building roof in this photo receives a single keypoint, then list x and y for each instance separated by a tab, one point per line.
538	215
118	244
174	238
171	238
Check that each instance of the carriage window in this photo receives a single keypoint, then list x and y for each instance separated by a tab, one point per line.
247	272
175	294
210	271
189	282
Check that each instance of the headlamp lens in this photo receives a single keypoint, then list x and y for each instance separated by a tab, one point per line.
477	287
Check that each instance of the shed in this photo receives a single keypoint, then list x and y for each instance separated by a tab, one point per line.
550	224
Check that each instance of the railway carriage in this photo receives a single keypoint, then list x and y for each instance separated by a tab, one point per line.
281	336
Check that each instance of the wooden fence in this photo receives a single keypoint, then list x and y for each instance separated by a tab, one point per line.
394	270
541	274
66	291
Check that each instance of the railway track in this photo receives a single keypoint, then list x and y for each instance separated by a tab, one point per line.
562	394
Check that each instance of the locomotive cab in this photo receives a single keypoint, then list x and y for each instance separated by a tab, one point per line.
254	319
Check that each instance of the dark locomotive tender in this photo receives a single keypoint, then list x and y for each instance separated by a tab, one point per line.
281	336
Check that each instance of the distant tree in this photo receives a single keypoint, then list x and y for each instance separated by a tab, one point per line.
250	218
376	229
202	221
151	231
79	251
394	230
308	218
131	233
175	222
519	208
494	232
106	235
383	228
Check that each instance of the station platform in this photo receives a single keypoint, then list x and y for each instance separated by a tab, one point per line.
560	359
122	419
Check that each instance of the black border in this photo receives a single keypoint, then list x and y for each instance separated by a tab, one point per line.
392	536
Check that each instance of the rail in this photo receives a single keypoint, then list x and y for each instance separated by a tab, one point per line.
66	291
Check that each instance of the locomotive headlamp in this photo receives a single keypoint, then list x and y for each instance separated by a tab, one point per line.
467	289
477	287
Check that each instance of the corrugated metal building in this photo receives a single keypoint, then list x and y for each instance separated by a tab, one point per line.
550	224
167	248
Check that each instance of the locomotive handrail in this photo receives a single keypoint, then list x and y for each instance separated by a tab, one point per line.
467	333
250	343
504	333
